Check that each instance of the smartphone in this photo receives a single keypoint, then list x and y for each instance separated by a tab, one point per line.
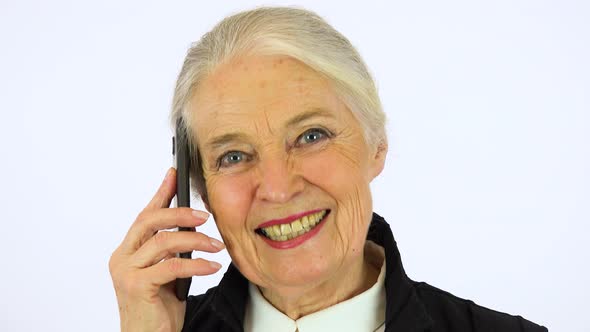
180	156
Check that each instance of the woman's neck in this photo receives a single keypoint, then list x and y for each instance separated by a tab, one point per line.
346	283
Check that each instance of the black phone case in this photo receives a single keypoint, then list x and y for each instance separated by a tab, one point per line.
180	154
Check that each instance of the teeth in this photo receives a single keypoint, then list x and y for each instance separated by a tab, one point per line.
296	228
305	222
276	230
312	221
285	229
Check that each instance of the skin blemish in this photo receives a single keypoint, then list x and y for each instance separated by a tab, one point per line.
262	84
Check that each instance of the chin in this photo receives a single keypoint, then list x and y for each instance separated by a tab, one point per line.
304	269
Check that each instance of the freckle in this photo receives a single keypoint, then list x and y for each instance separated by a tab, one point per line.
280	61
245	68
262	84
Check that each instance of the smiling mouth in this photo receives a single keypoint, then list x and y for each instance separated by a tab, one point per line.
296	228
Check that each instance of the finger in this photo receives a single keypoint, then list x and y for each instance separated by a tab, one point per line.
149	223
171	269
165	192
168	257
164	244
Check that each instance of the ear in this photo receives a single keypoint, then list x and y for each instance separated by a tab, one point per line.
206	203
202	192
377	161
205	200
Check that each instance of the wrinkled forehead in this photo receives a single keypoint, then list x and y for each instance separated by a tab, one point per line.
256	92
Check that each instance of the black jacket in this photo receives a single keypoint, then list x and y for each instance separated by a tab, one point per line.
410	305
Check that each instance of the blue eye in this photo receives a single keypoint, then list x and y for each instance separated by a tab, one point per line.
230	158
311	136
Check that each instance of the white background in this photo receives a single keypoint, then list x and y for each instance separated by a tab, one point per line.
486	187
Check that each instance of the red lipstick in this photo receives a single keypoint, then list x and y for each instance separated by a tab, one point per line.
297	240
289	219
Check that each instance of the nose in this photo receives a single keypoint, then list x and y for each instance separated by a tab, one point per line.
278	179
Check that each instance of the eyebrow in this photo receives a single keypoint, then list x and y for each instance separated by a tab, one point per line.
224	139
227	138
319	112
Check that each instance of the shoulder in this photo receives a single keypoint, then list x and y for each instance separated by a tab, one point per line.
196	304
451	313
199	312
222	307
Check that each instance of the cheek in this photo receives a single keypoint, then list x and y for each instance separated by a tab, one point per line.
229	200
341	173
339	170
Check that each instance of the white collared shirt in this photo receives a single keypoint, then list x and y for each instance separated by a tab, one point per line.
364	312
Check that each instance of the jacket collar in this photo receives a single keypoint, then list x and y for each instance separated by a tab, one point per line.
404	310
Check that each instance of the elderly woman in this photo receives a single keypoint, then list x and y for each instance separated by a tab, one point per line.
286	132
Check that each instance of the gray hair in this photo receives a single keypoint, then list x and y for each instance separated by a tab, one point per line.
286	31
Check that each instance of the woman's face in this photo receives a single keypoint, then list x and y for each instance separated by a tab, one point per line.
276	144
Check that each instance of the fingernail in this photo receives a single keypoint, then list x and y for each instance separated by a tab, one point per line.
215	265
201	214
168	173
217	244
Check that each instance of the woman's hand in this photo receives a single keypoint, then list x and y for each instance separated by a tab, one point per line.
144	266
